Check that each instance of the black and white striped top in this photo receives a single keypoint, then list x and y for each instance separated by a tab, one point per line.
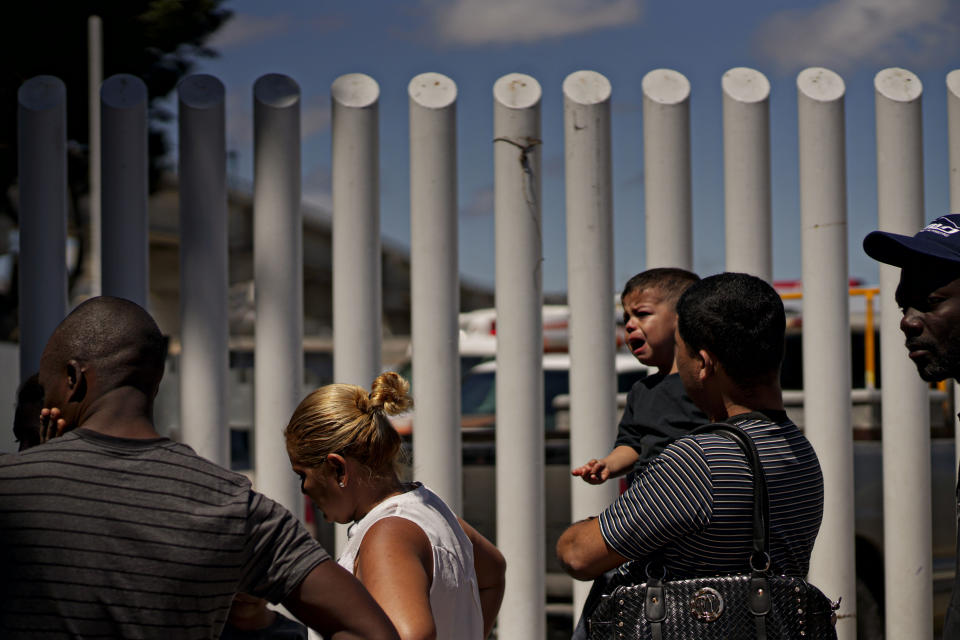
110	537
693	503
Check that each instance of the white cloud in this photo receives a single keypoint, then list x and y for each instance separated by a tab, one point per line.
844	33
477	22
244	29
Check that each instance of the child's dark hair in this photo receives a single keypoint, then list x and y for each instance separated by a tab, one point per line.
740	319
670	281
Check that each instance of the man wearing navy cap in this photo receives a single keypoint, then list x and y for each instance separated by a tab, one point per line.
929	295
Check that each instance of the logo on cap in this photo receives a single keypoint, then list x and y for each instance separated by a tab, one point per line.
942	226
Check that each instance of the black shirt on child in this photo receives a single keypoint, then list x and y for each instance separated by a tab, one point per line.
658	412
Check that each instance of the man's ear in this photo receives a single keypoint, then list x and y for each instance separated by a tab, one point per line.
76	380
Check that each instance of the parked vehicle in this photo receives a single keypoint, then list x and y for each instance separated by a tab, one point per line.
478	392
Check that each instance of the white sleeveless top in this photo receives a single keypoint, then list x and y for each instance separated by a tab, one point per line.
454	595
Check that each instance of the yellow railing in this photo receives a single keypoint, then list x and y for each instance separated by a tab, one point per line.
869	348
869	344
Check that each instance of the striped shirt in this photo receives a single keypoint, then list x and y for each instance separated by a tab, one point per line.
693	503
111	537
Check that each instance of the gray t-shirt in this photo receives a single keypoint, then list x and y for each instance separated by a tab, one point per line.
114	537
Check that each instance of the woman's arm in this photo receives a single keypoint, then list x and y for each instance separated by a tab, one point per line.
490	567
395	564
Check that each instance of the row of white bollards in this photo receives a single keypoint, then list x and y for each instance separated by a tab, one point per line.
518	184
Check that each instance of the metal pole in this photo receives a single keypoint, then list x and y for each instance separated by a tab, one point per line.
42	165
953	142
826	323
519	295
126	228
953	127
746	172
94	78
357	332
204	328
278	281
666	166
434	285
905	398
593	413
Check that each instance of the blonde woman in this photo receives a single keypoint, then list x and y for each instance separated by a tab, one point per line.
433	574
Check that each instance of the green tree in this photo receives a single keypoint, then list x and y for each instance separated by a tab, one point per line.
157	40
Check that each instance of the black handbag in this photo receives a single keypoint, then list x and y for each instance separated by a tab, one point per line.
758	605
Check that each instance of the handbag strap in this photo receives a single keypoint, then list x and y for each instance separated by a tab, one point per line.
760	559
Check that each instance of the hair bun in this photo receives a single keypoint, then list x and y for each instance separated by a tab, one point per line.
390	393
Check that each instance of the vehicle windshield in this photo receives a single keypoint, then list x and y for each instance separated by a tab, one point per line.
478	394
405	369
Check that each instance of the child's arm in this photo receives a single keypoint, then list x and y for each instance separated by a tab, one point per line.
616	463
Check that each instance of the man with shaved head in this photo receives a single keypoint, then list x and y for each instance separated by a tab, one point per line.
113	531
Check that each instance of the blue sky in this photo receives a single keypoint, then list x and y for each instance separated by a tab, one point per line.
476	41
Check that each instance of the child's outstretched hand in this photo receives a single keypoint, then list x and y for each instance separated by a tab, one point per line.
593	472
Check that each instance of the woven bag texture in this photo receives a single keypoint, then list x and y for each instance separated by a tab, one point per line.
799	611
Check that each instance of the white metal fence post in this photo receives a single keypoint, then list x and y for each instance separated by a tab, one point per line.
593	413
666	168
94	78
905	398
826	323
953	143
746	172
435	297
204	327
357	304
519	295
125	257
953	128
42	166
278	281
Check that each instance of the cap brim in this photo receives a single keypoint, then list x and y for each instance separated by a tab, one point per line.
900	250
